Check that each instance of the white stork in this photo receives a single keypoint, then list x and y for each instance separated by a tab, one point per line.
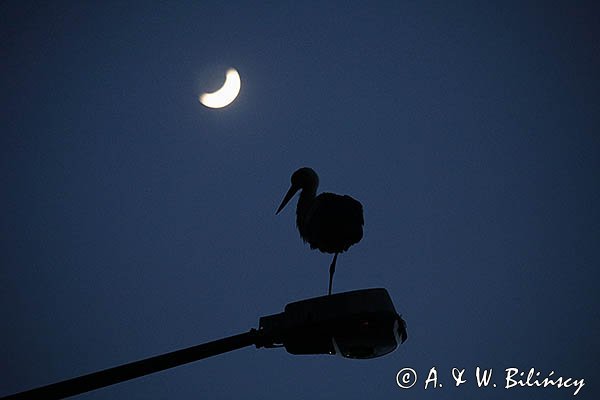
328	222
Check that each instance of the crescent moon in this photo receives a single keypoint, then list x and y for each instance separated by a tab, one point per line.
226	94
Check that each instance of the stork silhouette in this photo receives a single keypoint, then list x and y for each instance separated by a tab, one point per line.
328	222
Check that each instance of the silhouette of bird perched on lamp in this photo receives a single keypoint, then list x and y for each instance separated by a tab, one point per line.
328	222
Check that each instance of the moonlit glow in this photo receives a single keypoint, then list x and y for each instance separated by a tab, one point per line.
226	94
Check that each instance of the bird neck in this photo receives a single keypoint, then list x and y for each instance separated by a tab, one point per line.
307	196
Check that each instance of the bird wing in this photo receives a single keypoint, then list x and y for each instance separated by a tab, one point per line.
334	223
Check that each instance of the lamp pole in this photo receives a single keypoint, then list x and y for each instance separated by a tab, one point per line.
110	376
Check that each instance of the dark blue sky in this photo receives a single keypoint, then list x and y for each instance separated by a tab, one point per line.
135	221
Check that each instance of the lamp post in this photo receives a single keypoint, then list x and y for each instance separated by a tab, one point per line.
358	324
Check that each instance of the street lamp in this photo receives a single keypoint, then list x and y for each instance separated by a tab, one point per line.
358	324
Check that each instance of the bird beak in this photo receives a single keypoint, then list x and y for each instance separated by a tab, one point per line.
287	197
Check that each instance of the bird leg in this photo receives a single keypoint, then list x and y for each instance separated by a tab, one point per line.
331	271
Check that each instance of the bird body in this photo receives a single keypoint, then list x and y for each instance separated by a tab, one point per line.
328	222
332	223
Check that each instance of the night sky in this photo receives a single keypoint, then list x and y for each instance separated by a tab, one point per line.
137	221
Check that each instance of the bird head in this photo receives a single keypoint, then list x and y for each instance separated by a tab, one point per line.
304	178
